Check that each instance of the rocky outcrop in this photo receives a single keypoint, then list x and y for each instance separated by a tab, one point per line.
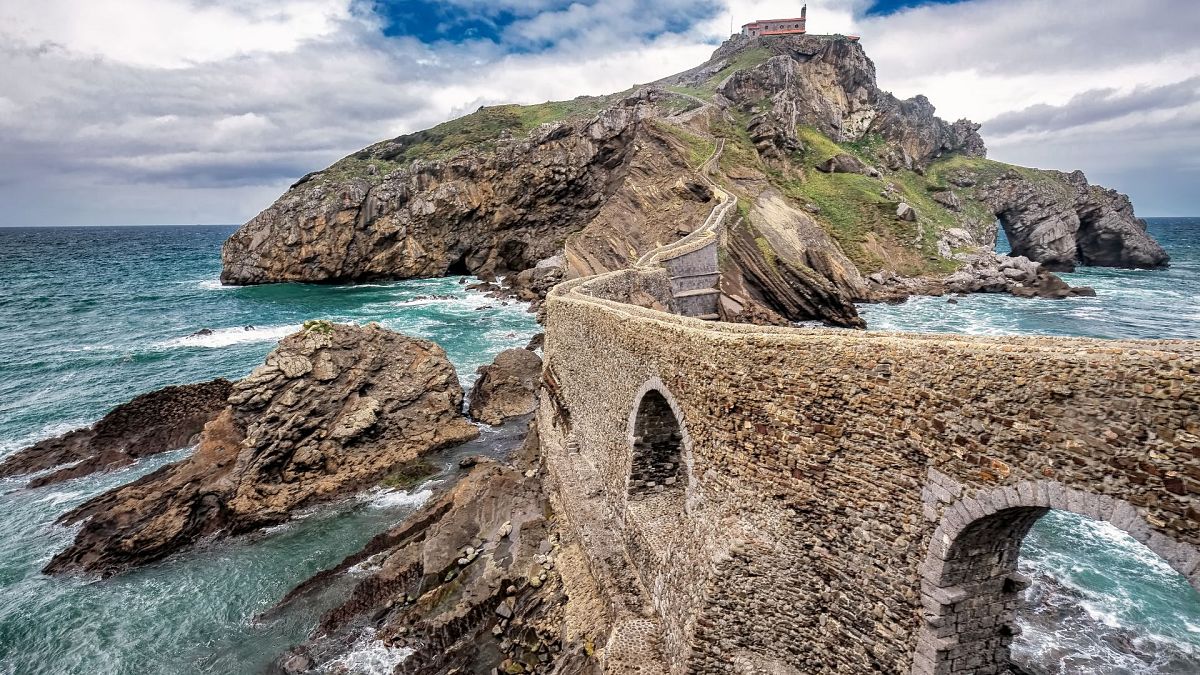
827	82
507	388
334	408
476	212
846	164
785	264
152	423
1061	221
473	582
608	179
980	273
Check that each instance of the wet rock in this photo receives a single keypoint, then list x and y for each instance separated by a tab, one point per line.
166	419
286	439
502	611
506	389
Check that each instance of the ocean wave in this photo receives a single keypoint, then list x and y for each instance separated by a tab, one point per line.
215	285
8	446
225	337
368	656
381	498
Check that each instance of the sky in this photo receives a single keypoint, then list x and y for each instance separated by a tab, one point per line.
125	112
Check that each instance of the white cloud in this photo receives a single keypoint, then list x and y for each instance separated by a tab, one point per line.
115	111
170	33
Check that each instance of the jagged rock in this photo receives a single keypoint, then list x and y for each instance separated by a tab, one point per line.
469	583
476	213
1062	221
829	83
507	388
906	212
153	423
286	440
786	263
947	198
772	137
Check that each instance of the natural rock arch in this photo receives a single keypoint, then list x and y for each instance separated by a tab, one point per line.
969	579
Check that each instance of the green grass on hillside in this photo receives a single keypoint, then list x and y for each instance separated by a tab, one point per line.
699	148
480	129
743	61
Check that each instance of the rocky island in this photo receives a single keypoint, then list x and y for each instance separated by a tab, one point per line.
846	193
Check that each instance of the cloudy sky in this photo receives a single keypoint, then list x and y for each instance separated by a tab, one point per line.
203	111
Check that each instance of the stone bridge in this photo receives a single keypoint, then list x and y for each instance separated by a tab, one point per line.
772	500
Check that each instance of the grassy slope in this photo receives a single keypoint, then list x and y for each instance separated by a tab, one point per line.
480	129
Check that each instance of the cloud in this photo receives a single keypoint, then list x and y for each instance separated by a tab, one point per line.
143	111
1096	106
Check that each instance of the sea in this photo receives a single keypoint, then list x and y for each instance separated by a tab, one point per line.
90	317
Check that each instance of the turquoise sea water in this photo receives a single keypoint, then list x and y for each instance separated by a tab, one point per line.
90	317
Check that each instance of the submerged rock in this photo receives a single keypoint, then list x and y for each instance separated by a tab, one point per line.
152	423
507	388
333	409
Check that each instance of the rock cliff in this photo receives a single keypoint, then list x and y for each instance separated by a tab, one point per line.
152	423
333	409
872	183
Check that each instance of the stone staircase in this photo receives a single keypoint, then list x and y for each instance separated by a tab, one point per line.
691	262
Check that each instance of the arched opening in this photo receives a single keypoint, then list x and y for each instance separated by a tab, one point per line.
985	613
657	468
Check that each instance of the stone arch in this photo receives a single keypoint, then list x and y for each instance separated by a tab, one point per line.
969	581
660	466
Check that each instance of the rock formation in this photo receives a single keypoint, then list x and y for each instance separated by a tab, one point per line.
1067	222
506	389
333	409
163	420
473	582
590	185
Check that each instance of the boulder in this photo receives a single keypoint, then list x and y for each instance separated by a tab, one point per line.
507	388
162	420
1051	286
947	198
845	164
906	212
334	408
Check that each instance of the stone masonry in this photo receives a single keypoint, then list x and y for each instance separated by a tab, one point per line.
851	502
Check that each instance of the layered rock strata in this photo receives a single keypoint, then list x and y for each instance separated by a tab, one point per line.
476	581
333	409
152	423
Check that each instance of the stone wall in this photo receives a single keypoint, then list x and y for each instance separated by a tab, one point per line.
842	488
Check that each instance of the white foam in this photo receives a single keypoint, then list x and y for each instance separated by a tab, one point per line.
381	498
49	431
60	497
368	656
225	337
215	285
